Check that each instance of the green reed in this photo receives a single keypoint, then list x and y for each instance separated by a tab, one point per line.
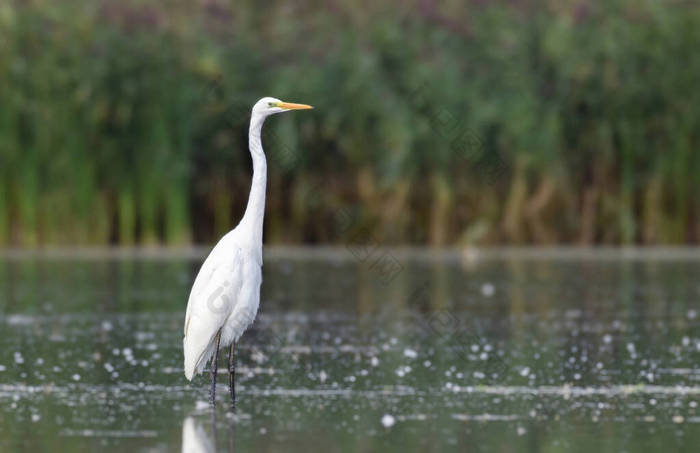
126	122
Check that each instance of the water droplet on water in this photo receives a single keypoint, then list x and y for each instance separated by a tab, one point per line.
388	420
488	290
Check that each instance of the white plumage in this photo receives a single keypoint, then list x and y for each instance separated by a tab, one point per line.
226	293
225	296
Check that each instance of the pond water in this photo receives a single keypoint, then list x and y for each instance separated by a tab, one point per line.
359	349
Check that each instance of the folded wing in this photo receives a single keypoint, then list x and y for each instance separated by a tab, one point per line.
212	299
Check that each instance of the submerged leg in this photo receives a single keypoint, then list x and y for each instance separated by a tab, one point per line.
230	435
214	368
212	413
232	375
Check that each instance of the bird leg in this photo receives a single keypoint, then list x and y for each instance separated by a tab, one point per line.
214	369
232	375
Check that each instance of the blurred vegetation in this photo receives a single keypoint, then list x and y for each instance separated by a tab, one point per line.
436	122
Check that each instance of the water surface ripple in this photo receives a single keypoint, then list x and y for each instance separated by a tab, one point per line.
359	349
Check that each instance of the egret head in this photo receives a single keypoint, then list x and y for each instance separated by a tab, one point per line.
269	106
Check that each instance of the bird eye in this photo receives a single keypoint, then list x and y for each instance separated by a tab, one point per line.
271	104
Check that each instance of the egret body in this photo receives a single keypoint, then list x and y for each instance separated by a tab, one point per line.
225	295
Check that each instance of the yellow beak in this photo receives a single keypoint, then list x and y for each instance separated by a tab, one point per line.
291	106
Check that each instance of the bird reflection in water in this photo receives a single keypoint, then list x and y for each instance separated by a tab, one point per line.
196	439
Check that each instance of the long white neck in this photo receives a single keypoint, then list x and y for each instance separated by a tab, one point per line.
252	220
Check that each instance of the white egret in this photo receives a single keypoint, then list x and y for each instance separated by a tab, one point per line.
225	295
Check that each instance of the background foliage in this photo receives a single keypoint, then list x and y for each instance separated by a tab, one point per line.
436	122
